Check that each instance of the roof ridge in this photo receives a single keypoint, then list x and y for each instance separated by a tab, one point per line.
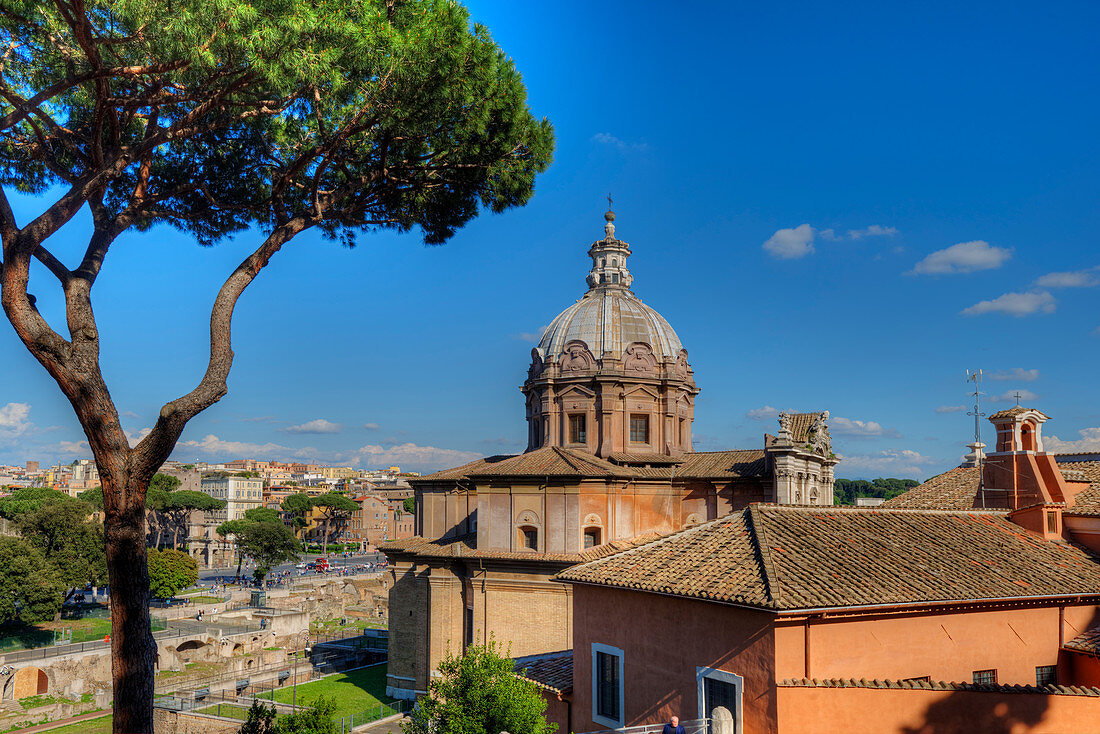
759	542
773	506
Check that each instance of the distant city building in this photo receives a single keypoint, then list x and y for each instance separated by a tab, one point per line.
32	467
869	501
240	495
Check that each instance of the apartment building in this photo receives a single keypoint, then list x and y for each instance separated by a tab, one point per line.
240	495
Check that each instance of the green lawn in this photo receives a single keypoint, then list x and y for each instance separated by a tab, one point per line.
101	725
355	692
228	710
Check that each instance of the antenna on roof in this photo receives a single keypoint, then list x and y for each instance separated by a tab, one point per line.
977	446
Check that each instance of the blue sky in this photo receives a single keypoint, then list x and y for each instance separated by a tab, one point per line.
837	206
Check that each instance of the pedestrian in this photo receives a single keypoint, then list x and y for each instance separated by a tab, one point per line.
673	726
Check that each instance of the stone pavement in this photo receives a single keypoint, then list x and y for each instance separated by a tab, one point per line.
389	725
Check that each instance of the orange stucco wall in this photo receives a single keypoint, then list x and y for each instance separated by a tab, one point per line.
665	639
897	711
946	646
1084	669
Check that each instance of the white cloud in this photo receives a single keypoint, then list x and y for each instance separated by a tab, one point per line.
623	145
1010	396
1016	373
134	437
1014	304
891	462
875	230
951	409
371	426
791	243
211	444
1071	279
860	429
14	420
74	447
965	257
411	456
319	425
531	336
767	413
260	419
1089	442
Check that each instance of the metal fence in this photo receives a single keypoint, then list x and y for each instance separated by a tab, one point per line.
691	726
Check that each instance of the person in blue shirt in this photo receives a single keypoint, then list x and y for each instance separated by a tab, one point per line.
673	726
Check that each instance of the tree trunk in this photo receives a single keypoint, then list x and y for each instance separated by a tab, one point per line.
324	536
133	649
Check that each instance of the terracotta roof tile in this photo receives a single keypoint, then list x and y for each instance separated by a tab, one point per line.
1087	642
561	462
550	670
957	489
785	557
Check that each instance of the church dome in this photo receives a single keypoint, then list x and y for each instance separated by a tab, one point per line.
609	318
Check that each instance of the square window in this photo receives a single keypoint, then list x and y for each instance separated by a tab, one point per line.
530	538
639	429
985	677
1046	675
1052	522
591	537
577	432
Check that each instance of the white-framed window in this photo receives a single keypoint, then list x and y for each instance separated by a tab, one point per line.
720	689
607	685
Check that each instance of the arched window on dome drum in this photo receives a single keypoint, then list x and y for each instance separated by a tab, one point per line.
591	537
614	277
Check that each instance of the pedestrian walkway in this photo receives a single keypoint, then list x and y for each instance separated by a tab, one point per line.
64	722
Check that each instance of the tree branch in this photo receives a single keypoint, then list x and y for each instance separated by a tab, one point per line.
155	448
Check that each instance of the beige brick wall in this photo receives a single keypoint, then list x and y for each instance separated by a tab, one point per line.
408	610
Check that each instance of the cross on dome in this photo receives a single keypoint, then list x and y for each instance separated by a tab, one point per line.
609	258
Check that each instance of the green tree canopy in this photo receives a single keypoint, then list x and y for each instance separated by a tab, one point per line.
268	544
170	571
410	505
317	719
71	542
213	117
479	693
27	499
335	509
30	590
179	505
263	514
846	491
93	496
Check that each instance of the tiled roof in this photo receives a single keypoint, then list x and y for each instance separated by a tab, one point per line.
551	461
1009	412
786	557
956	489
912	684
1087	642
465	547
561	462
645	459
550	670
800	426
1088	502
